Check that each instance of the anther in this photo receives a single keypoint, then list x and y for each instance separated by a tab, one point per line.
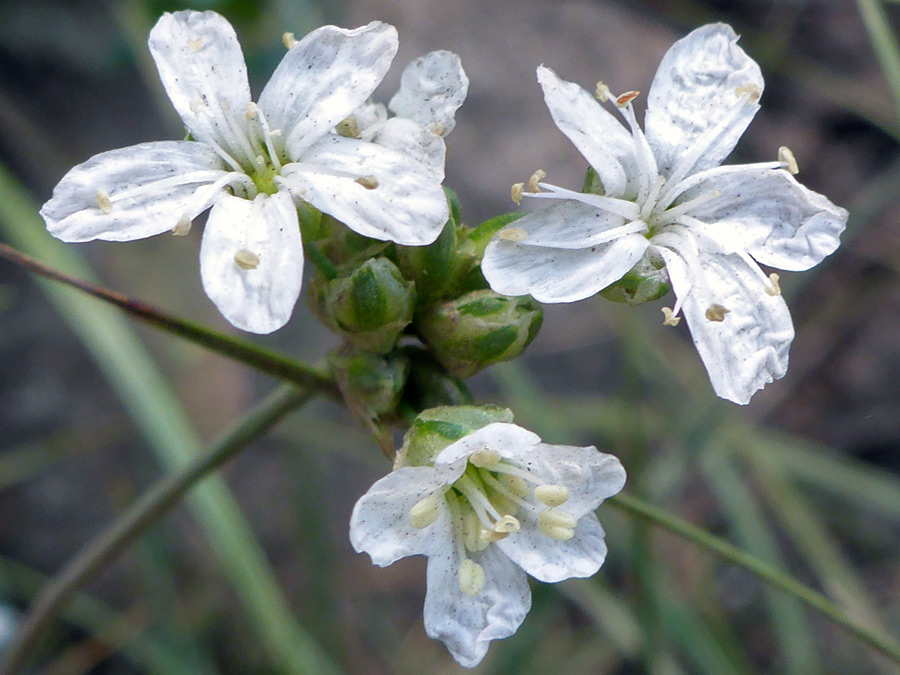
368	182
103	201
627	98
437	128
251	112
516	192
517	485
669	317
492	536
288	40
471	577
602	93
557	524
512	234
246	260
753	91
716	312
197	105
486	458
425	512
552	495
785	155
182	227
349	127
195	45
507	524
774	288
536	178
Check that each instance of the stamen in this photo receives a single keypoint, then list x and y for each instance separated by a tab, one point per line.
669	317
751	90
787	157
552	495
425	512
349	127
195	45
515	484
472	529
512	233
245	141
516	192
269	135
650	200
477	500
647	169
368	182
620	207
486	458
490	536
507	524
246	260
775	287
182	227
716	312
557	524
627	98
288	40
672	214
471	577
602	93
103	201
536	178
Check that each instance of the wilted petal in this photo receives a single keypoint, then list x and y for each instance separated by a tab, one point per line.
251	260
748	347
380	523
202	68
416	142
778	221
324	78
556	274
703	97
467	624
432	89
134	192
605	143
402	202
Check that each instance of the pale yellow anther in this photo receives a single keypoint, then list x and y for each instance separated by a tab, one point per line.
195	45
349	127
288	40
512	234
251	112
536	178
751	90
515	484
627	98
368	182
716	312
669	317
552	495
182	227
246	260
103	201
485	458
472	532
557	524
436	128
785	155
425	512
602	93
507	524
471	577
516	192
197	105
774	288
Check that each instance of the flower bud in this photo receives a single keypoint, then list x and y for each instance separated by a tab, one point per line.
478	329
341	245
374	382
436	428
646	281
429	385
369	305
438	269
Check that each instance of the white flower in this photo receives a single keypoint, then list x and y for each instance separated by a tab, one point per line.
252	163
666	201
495	504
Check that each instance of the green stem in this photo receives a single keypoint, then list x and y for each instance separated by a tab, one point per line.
155	502
884	43
763	570
264	360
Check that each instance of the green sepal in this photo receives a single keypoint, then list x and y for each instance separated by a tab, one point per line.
374	383
429	385
647	280
482	234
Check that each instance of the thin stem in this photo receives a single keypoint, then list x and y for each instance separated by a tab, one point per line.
264	360
763	570
162	496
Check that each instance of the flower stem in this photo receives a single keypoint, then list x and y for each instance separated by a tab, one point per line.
761	569
264	360
152	505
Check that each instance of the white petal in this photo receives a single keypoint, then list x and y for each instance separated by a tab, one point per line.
380	523
566	224
466	624
780	222
605	143
559	275
150	187
202	68
370	119
324	78
408	206
416	142
551	560
749	347
697	107
432	89
499	436
259	300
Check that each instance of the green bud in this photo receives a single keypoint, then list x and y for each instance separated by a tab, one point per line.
435	429
342	246
478	329
374	382
429	384
438	268
369	305
647	280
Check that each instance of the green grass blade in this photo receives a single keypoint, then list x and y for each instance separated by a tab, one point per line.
884	44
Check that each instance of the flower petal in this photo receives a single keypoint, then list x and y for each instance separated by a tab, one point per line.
324	78
565	224
406	205
555	274
256	298
202	68
467	624
499	435
704	95
134	192
605	143
380	523
432	89
416	142
551	560
748	347
777	220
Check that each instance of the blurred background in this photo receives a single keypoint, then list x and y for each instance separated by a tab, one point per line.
256	573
